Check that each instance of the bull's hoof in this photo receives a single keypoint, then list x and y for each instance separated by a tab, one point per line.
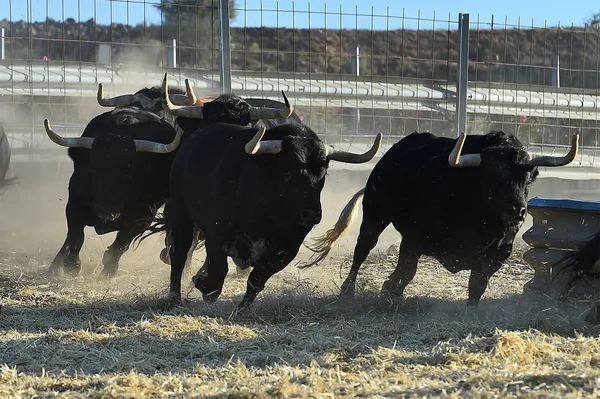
174	299
54	271
164	256
471	313
211	296
72	272
242	308
107	274
388	288
593	315
348	288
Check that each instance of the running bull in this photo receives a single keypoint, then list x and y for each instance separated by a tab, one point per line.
460	201
255	195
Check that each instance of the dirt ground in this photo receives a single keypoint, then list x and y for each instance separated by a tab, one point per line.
88	338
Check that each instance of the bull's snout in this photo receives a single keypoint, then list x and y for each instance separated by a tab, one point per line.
310	217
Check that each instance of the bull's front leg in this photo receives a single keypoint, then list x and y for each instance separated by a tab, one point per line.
210	278
261	274
479	278
67	259
115	251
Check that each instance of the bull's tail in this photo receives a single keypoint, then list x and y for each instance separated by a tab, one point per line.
322	245
581	263
158	224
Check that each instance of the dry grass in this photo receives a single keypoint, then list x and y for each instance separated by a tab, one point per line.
83	338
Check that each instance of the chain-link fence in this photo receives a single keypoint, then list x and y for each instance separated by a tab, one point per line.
349	74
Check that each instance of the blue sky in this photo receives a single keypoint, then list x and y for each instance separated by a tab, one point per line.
513	12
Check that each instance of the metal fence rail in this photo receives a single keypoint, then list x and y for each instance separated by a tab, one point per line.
351	74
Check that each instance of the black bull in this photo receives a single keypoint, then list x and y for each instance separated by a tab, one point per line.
121	168
254	200
464	210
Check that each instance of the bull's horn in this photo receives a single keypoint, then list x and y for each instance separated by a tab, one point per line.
559	161
184	99
185	111
257	147
348	157
71	142
118	101
257	113
463	161
190	93
158	148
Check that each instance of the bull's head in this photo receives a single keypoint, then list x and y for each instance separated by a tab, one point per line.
300	164
506	174
148	99
225	108
111	163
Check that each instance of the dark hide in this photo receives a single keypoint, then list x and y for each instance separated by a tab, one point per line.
466	218
230	108
4	159
227	108
269	123
577	265
113	186
255	208
149	99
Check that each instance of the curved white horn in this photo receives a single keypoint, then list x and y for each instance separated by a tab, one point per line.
71	142
118	101
559	161
185	111
190	93
257	113
158	148
184	99
463	161
257	147
349	157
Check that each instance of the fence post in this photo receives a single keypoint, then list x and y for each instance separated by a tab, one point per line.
172	54
355	70
224	46
462	75
556	70
2	48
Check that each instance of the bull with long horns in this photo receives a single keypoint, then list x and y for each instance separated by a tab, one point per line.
460	200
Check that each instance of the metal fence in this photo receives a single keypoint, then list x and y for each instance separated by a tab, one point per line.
349	73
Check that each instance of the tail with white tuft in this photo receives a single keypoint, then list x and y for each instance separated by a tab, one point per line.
322	245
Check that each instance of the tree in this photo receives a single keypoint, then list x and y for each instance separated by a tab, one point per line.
594	20
194	24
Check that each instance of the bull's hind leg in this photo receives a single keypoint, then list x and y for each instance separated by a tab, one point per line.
371	228
406	268
182	237
67	258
